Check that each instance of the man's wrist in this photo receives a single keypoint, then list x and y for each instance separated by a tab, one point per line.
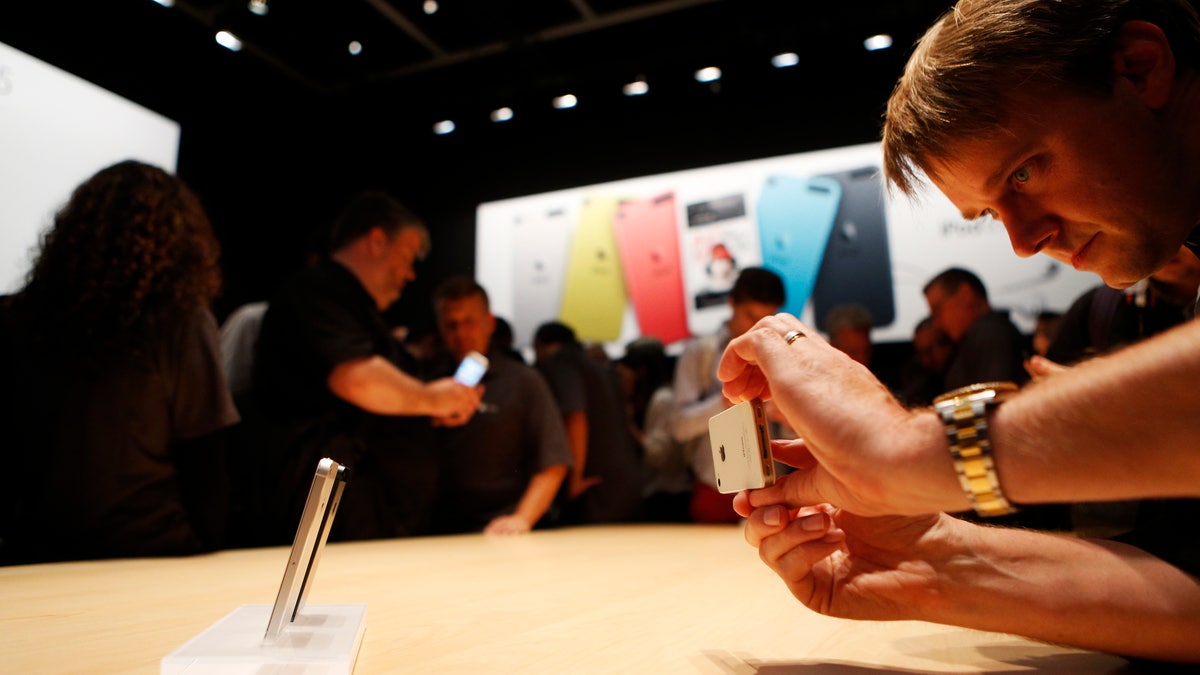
965	415
942	487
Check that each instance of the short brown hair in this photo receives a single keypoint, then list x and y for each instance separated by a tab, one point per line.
372	209
758	284
954	278
959	81
460	288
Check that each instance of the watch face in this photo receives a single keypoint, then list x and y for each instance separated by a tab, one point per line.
999	387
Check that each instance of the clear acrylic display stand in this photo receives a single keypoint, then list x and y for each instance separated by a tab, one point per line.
323	640
290	637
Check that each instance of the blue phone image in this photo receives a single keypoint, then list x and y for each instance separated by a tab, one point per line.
795	218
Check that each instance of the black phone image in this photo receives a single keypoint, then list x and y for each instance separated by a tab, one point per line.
856	267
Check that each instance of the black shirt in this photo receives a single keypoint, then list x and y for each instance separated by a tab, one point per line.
323	317
108	453
488	462
991	350
580	383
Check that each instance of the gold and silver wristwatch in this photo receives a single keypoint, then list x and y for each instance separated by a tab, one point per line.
964	413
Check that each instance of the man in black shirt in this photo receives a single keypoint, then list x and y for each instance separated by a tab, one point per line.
988	347
502	470
332	381
605	481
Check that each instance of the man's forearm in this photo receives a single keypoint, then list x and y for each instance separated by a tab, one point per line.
540	493
575	424
377	386
1122	426
1096	595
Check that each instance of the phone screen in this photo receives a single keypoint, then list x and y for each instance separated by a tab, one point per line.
471	369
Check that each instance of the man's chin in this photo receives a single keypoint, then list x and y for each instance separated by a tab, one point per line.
1120	280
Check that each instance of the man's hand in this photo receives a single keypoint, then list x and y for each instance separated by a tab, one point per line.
578	484
508	525
455	402
844	565
861	449
1039	367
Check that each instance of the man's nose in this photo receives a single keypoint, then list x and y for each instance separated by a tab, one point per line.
1030	228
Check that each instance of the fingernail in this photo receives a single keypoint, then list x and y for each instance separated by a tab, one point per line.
773	516
813	523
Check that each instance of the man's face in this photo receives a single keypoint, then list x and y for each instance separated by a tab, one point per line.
932	349
399	255
747	313
465	325
854	343
1086	180
952	312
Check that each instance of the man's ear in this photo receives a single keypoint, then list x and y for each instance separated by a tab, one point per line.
1144	59
377	240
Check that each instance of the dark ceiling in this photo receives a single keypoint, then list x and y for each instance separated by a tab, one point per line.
469	56
277	135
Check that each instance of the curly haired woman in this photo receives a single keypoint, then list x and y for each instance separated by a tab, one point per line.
113	387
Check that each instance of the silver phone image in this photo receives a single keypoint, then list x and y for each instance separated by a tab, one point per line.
741	448
471	369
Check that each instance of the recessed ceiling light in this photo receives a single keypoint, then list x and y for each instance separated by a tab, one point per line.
431	6
636	88
229	41
259	7
877	42
166	3
709	74
355	48
502	114
565	101
785	60
444	127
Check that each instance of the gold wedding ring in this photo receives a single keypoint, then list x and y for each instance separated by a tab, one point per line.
792	335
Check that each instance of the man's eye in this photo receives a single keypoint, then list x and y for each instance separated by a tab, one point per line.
1022	175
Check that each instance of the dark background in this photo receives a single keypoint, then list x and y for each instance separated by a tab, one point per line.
276	137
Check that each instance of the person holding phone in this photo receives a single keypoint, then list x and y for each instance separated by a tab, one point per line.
332	381
502	469
1073	123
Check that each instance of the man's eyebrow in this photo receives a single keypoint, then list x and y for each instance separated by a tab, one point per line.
1004	168
1007	163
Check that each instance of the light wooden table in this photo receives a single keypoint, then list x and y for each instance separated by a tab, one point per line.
630	599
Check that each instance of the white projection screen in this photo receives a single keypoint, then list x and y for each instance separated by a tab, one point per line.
55	131
654	255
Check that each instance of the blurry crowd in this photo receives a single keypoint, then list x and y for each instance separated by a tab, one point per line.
150	431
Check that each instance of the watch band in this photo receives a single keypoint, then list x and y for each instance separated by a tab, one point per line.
964	413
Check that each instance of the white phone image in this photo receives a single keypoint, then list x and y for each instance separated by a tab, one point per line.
471	369
741	448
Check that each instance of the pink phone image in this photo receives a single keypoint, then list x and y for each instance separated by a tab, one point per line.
647	235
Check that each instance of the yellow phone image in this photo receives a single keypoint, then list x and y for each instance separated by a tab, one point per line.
594	297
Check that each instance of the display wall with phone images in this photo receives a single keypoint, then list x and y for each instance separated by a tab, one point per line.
657	255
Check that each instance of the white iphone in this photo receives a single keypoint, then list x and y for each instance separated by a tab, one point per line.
741	448
471	369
